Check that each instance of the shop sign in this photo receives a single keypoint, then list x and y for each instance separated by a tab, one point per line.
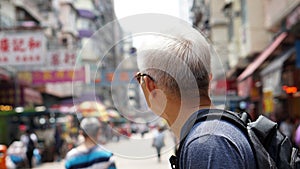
289	89
254	93
61	58
244	87
18	96
42	77
268	101
6	108
224	87
22	48
32	96
231	87
219	87
123	77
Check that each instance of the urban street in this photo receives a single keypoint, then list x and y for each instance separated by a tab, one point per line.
121	72
132	153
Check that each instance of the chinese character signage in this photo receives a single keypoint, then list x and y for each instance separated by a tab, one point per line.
22	48
42	77
61	58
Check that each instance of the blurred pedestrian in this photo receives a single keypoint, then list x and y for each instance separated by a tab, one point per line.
30	140
287	127
297	136
159	142
175	74
58	141
89	154
143	129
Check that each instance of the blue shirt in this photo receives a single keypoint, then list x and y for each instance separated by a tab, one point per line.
94	158
215	144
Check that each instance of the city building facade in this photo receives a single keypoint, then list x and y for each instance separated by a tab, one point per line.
261	44
56	33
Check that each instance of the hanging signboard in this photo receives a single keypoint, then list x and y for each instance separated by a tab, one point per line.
22	48
43	77
268	102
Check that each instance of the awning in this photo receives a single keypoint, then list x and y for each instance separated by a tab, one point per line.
4	74
277	63
262	57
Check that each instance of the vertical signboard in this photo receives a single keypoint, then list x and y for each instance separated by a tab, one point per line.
268	101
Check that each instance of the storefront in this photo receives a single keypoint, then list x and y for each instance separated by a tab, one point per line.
273	79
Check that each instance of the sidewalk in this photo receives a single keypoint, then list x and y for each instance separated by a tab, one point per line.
134	153
52	165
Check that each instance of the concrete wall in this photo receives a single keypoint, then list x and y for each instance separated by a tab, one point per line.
255	36
276	11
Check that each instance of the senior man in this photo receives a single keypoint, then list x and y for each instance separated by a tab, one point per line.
175	78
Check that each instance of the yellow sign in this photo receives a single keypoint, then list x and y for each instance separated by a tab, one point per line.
6	108
268	102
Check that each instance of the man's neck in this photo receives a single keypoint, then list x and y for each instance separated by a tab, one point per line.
180	114
88	143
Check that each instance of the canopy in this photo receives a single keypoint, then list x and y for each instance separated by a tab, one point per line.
262	57
93	109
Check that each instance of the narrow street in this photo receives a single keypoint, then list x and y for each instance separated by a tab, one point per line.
133	153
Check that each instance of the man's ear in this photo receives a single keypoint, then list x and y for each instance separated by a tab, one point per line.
150	85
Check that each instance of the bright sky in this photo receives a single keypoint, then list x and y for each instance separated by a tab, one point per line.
125	8
177	8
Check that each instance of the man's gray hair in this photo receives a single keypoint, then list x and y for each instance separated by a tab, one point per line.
90	126
178	60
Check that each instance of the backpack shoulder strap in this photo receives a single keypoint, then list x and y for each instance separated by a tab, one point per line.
213	114
238	120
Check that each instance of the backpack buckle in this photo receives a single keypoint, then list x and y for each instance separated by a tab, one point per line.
173	162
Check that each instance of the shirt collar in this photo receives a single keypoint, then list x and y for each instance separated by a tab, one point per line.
189	124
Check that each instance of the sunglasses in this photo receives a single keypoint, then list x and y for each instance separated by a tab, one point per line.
139	75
